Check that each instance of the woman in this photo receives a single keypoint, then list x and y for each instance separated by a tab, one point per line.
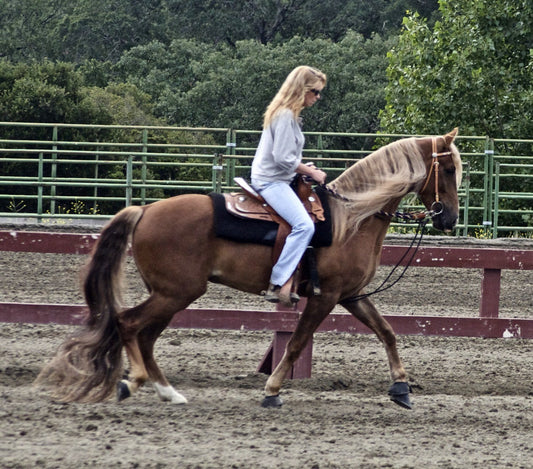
277	160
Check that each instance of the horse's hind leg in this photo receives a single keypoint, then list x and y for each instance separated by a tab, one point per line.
366	312
146	340
139	329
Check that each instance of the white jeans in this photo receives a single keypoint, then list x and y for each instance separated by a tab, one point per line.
281	197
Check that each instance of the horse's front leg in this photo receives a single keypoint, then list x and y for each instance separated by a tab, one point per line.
311	318
366	312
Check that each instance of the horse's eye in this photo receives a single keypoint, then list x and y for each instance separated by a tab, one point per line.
450	170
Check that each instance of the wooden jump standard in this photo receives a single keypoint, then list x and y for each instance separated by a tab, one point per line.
283	321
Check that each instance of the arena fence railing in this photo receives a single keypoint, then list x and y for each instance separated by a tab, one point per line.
64	173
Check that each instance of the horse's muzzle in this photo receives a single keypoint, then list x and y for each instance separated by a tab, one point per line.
445	220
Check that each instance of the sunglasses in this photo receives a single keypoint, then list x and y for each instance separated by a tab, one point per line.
316	92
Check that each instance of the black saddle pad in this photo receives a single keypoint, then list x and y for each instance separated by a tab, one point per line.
242	230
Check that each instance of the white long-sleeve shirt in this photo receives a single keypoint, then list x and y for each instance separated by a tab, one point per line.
280	149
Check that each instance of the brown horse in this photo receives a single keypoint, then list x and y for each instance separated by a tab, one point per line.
177	254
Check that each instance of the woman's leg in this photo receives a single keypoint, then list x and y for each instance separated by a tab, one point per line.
285	202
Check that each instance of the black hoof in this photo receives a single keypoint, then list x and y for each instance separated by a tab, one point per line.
399	393
272	401
123	392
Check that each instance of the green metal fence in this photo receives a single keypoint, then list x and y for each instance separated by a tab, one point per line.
52	172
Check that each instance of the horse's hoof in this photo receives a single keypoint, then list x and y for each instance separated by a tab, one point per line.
399	393
272	401
123	391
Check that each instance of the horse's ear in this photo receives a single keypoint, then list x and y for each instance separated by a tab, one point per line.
450	136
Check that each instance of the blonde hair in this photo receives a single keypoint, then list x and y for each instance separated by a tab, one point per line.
291	95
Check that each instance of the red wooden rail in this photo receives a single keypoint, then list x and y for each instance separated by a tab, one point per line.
282	322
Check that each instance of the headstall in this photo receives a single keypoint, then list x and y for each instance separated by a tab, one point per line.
436	207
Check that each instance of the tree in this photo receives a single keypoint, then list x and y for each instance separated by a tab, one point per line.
84	30
277	21
44	92
56	92
472	70
104	30
332	19
76	31
228	21
26	28
222	86
164	71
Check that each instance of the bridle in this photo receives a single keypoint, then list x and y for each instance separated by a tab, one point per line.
436	207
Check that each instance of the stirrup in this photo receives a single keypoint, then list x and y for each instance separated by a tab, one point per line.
294	297
289	300
272	294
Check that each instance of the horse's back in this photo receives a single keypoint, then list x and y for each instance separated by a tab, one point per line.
179	214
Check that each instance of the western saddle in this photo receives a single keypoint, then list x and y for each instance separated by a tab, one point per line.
249	204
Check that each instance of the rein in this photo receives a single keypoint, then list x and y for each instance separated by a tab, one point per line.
419	217
409	216
417	239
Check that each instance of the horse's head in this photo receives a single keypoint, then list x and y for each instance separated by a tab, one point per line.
444	170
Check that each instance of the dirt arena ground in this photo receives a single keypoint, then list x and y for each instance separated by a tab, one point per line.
473	398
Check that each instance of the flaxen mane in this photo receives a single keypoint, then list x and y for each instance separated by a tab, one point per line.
390	172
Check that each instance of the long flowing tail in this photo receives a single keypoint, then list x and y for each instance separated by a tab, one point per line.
88	365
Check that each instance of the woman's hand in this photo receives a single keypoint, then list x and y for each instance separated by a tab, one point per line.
319	176
313	172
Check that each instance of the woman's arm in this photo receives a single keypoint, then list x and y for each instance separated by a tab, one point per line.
313	172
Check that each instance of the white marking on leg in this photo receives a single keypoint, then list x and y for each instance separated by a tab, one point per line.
169	394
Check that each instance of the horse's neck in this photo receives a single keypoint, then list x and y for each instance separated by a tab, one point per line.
384	221
392	205
378	223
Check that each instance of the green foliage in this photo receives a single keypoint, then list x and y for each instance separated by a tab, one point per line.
120	103
267	21
55	92
196	85
76	31
472	70
63	30
206	63
332	19
38	93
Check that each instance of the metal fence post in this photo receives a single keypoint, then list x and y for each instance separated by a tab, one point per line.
496	199
319	146
143	167
95	190
466	179
231	144
129	179
53	170
40	172
488	183
218	168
